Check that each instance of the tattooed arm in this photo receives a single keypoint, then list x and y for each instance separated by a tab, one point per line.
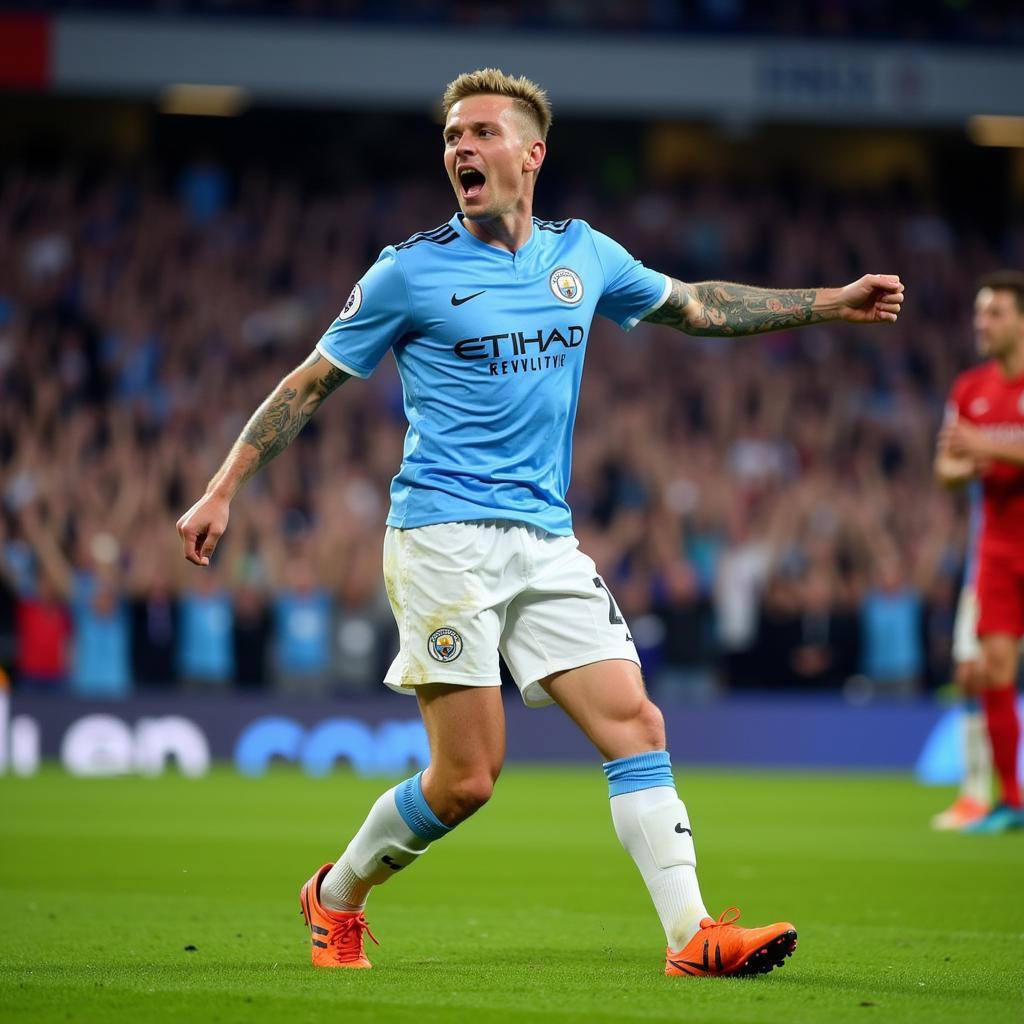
723	308
271	429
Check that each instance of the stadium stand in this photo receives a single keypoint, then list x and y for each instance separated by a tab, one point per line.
753	503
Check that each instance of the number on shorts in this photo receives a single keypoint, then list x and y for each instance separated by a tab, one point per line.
613	612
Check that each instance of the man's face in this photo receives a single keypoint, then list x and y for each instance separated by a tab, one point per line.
998	324
488	154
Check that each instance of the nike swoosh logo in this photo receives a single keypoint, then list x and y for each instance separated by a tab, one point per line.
456	301
681	830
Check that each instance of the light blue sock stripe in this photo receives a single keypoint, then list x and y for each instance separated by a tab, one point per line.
641	771
416	812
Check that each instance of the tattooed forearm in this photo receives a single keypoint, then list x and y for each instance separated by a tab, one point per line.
274	424
672	312
277	422
723	308
739	309
328	382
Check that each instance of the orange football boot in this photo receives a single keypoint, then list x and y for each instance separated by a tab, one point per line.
336	937
963	811
721	948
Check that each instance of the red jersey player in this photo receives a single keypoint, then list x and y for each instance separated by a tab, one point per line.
984	437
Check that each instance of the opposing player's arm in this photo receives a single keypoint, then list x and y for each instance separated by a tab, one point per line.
952	471
270	430
721	308
964	441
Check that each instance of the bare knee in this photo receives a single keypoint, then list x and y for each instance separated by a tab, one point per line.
455	796
998	662
640	728
650	723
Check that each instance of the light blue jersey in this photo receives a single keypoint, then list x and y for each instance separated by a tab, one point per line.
490	347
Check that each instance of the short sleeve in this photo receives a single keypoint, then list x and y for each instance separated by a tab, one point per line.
631	291
375	316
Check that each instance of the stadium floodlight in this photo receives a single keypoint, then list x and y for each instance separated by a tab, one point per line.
996	130
203	100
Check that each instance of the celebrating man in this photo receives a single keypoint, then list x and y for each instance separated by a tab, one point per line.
488	317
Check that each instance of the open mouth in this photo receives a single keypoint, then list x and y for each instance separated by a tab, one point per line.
471	182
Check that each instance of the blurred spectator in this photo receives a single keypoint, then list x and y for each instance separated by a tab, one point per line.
204	191
101	659
206	659
827	648
43	637
250	636
102	662
687	653
893	655
302	632
9	646
154	636
778	629
743	568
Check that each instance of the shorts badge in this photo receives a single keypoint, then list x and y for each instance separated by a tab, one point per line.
566	285
444	644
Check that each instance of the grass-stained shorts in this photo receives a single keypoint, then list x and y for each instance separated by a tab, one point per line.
462	592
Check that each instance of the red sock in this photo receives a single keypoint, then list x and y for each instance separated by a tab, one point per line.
1004	732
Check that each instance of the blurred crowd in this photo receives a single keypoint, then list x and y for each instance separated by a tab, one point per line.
763	508
998	22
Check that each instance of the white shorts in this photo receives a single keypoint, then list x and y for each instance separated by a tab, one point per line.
965	628
462	592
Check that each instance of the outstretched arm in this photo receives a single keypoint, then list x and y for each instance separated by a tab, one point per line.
270	430
723	308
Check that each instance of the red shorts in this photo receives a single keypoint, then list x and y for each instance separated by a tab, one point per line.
1000	586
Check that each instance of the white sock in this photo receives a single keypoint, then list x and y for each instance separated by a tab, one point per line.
977	781
380	849
654	828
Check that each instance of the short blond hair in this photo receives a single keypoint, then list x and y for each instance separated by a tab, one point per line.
530	99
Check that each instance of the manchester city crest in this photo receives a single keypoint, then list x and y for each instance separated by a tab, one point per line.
444	644
566	285
351	307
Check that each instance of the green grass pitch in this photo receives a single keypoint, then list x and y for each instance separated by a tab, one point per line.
529	912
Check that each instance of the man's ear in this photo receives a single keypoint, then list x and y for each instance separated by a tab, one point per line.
535	156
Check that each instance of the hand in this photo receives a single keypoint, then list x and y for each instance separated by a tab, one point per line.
202	526
874	298
963	440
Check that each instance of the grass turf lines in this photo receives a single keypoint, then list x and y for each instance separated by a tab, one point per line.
530	911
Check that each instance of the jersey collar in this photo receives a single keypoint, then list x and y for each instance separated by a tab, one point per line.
493	250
